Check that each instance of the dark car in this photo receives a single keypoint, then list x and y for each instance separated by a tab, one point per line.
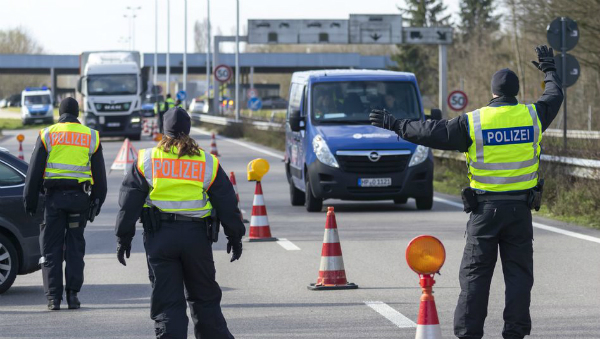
274	102
19	246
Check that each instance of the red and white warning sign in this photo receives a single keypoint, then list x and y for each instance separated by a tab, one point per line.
457	100
125	158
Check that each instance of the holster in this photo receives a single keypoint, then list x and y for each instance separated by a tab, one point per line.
469	199
535	196
213	225
150	219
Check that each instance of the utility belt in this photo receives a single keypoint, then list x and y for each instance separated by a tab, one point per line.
152	219
85	187
472	198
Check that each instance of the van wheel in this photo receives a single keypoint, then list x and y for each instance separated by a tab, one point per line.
297	197
9	264
424	203
312	203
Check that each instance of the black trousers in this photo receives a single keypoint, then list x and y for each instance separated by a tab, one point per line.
504	225
61	238
181	262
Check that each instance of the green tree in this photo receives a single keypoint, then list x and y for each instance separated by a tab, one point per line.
420	59
18	41
476	17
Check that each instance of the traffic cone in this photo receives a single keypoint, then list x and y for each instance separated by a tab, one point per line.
213	146
259	222
332	275
237	195
156	136
145	129
21	156
428	325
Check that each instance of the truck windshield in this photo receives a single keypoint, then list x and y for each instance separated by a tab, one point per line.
112	84
36	100
350	102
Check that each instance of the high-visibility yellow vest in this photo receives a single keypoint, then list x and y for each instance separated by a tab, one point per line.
166	105
178	185
505	150
70	147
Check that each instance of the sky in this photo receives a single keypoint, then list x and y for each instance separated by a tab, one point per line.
73	26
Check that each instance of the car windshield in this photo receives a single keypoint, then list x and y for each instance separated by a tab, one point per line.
112	84
350	102
37	100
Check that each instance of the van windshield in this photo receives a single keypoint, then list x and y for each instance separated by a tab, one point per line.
352	101
112	84
30	100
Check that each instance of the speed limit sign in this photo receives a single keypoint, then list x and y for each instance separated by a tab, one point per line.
223	73
457	100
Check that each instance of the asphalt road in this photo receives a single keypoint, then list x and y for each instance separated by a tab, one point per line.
265	294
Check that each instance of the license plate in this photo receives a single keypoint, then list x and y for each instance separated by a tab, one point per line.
113	124
375	182
37	121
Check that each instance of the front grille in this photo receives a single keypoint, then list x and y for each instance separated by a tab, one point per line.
374	190
118	107
362	164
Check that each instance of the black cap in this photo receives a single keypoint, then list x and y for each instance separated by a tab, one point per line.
505	83
69	106
176	122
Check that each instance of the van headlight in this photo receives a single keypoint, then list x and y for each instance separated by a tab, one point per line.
323	153
419	156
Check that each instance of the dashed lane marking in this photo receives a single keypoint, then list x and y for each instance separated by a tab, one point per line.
536	224
288	245
391	314
241	143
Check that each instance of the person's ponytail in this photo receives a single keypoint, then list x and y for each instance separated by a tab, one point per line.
186	145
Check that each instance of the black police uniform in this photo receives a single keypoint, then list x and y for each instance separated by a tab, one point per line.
63	198
495	224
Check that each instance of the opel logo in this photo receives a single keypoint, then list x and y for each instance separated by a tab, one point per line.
374	156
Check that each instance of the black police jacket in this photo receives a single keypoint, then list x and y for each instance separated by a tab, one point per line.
453	134
37	166
135	189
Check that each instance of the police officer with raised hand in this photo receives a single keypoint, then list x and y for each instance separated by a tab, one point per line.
67	164
502	145
176	188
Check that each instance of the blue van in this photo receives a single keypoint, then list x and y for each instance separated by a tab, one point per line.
333	152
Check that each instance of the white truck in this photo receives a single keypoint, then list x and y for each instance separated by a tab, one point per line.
111	85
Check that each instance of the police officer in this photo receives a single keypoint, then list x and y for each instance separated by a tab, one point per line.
68	164
176	188
161	109
502	146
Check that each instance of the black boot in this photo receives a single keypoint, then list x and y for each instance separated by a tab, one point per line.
54	304
72	300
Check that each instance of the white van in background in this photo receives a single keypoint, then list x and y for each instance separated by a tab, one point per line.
37	106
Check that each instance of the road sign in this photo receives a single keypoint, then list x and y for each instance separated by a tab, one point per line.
181	95
375	28
223	73
573	69
254	104
252	92
20	138
554	34
458	100
157	89
427	35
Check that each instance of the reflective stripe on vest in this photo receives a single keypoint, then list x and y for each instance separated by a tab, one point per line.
184	181
70	147
505	134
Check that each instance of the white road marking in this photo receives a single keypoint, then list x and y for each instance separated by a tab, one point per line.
536	224
288	245
391	314
241	143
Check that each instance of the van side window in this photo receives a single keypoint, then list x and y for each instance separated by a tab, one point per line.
304	101
296	93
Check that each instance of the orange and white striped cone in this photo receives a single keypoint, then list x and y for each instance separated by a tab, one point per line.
145	129
213	146
156	135
332	274
259	222
21	156
428	324
237	195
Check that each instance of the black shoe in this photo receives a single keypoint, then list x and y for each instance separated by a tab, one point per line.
72	300
54	304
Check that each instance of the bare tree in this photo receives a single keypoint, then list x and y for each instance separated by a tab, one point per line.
200	38
18	41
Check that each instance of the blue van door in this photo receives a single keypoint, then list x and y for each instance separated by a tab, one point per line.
296	139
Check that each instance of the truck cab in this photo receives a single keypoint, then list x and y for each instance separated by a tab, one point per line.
37	106
111	85
333	152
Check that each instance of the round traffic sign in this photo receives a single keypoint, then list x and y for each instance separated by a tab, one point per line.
181	95
554	34
252	92
425	254
223	73
254	104
20	138
457	100
573	69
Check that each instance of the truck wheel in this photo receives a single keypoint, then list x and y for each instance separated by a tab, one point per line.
297	197
400	200
9	264
312	203
424	203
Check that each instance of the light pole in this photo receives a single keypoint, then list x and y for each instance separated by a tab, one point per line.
237	61
168	47
131	18
208	52
185	30
155	44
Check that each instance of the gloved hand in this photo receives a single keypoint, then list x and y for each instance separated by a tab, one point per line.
383	119
123	249
234	244
545	61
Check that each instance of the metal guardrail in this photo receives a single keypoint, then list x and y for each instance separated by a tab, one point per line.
572	134
225	121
